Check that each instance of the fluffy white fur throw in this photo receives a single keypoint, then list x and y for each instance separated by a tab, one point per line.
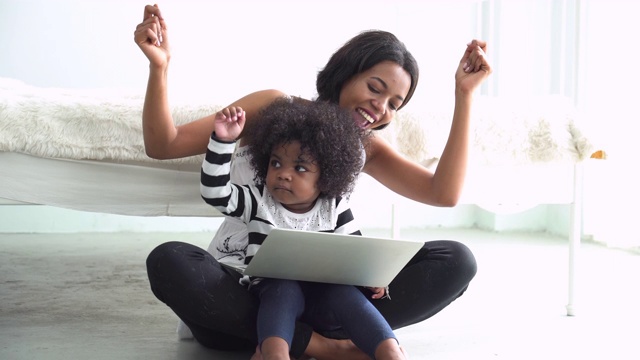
106	125
542	130
79	124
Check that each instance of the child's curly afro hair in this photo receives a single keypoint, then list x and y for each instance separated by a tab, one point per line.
326	132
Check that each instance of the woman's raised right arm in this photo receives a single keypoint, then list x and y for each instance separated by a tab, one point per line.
162	139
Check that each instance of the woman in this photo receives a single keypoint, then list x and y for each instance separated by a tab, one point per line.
214	306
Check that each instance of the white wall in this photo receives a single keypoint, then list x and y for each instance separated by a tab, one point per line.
222	50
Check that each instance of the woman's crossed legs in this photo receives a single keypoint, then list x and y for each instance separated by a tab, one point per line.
222	314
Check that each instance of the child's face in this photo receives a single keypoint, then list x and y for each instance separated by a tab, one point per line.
292	177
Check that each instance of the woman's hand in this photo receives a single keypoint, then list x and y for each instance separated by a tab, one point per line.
474	67
151	36
229	123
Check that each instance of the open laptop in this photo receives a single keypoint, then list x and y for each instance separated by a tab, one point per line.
331	258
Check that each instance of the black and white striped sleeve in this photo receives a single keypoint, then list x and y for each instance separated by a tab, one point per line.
215	181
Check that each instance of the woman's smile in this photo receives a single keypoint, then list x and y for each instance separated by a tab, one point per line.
365	120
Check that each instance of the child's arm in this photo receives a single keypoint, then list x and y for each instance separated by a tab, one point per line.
216	188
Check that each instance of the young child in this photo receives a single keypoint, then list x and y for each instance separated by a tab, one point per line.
306	157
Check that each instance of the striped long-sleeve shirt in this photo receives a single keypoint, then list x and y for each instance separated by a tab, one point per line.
258	209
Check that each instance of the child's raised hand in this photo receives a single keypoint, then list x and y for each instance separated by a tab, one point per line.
229	123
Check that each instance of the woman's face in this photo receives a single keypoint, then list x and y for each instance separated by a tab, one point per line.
373	96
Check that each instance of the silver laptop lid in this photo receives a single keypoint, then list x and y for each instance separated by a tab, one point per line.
331	258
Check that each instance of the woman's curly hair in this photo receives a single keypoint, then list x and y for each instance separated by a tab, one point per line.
326	132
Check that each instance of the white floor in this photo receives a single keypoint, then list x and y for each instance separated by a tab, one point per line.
85	296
